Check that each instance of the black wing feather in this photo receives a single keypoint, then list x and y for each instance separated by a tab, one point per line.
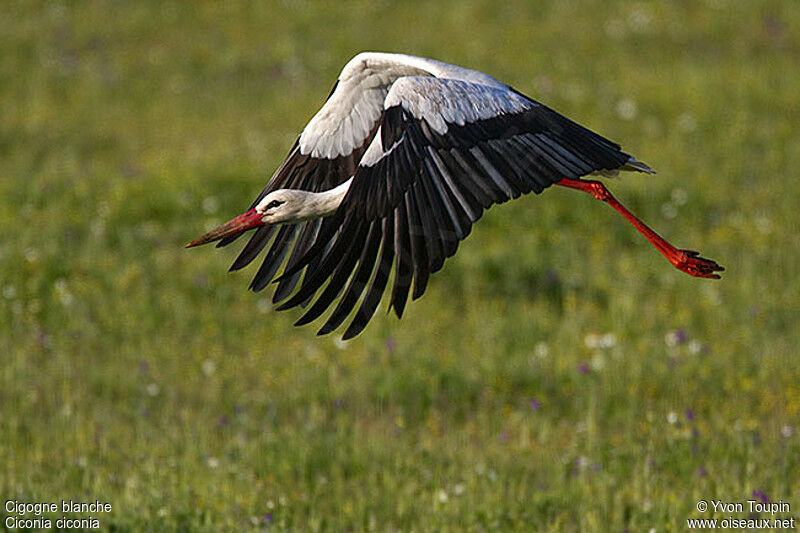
378	284
405	261
358	282
274	258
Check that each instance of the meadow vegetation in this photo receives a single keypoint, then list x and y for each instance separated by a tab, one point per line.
558	375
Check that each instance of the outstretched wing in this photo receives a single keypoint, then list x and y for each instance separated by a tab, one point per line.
325	155
446	150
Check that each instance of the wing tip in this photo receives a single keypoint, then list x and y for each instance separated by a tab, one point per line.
635	165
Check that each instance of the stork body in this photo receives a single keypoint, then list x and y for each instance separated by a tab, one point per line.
389	176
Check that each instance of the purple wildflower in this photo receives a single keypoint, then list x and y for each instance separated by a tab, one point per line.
222	420
577	469
268	518
391	344
583	368
535	404
676	337
144	367
504	437
690	414
702	472
760	496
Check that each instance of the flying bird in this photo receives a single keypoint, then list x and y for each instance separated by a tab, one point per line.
390	174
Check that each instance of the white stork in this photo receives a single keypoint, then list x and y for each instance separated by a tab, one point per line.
392	172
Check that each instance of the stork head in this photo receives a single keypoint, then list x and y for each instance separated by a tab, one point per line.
283	205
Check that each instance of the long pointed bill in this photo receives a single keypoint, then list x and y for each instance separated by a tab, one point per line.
243	222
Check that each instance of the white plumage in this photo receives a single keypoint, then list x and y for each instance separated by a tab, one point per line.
355	104
389	176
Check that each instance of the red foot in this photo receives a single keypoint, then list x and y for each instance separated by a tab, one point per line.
690	262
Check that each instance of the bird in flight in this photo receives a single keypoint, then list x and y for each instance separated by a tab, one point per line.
390	174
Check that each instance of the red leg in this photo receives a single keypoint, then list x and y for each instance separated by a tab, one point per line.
685	260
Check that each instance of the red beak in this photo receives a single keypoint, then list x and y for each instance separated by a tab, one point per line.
243	222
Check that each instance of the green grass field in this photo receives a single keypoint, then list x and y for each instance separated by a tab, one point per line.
558	375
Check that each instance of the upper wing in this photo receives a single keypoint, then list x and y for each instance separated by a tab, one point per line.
446	150
325	155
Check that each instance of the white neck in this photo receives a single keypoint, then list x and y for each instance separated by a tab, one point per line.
329	201
321	204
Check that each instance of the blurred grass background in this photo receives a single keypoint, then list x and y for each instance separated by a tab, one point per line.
558	375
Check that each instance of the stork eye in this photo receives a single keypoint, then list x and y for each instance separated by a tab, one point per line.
274	203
